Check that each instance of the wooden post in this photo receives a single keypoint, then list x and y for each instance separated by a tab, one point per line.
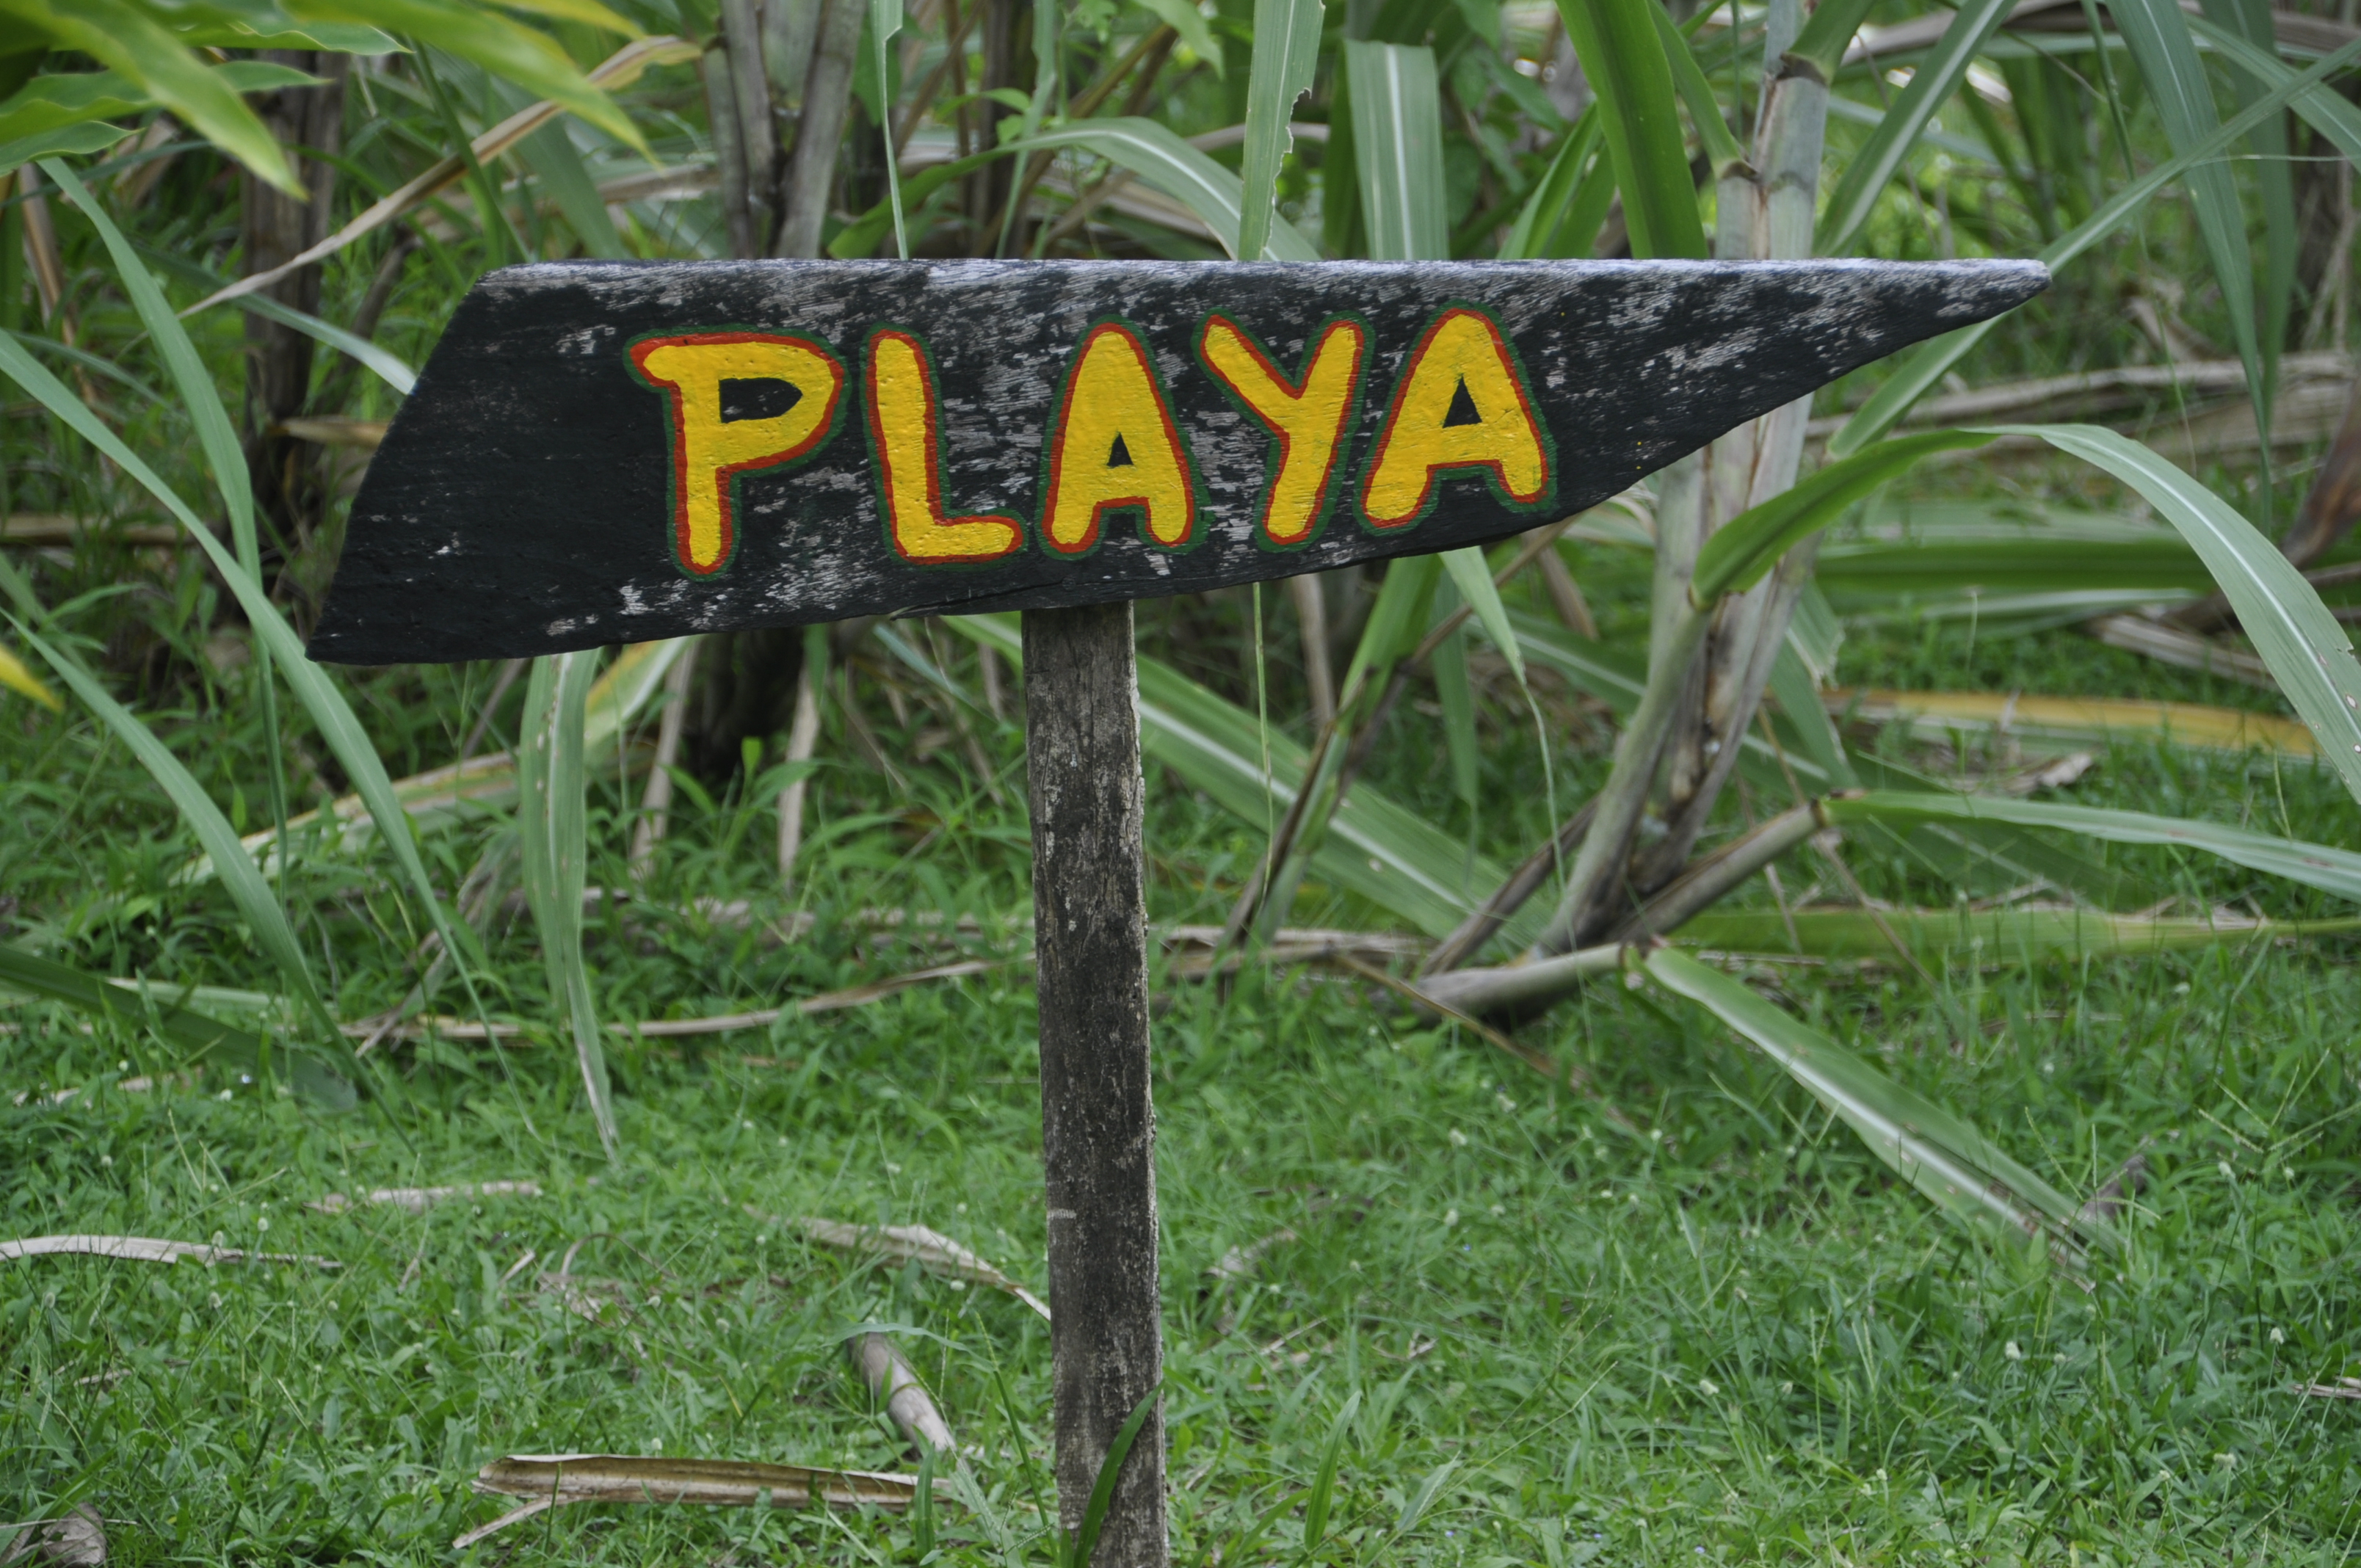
1098	1127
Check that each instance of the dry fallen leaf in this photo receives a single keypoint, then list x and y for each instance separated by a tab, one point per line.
2343	1389
77	1541
417	1199
548	1480
930	1250
146	1249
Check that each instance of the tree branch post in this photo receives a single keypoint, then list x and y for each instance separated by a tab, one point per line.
1098	1125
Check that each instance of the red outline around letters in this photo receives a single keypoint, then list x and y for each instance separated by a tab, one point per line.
930	481
1321	498
726	476
1393	414
1056	452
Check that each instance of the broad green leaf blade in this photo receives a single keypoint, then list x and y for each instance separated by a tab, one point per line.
1157	155
2017	936
507	48
1398	149
1286	53
93	136
182	1027
1457	696
552	830
1932	82
2307	649
1544	210
2159	37
1750	544
1721	148
1624	61
1931	361
2313	865
2323	107
224	455
1472	576
338	725
1936	1152
388	366
128	39
240	876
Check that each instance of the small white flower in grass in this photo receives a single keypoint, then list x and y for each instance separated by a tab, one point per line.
747	1126
1708	1387
262	1223
225	1095
1458	1139
106	1160
956	1284
2225	1461
2010	1351
963	1208
2058	1359
1500	1209
2278	1336
1450	1218
2223	1166
893	1169
1786	1388
1505	1103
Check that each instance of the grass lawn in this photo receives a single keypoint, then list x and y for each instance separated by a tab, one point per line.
1724	1332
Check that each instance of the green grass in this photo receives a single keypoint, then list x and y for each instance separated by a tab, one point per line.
1732	1336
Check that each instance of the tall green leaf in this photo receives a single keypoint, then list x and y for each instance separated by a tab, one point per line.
552	829
338	724
1751	543
1152	151
2314	865
2159	37
1286	53
1623	58
1545	208
1932	83
1931	361
240	876
182	1027
127	38
1942	1155
1397	151
2305	646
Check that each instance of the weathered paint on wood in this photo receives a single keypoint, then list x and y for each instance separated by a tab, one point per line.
603	453
1098	1129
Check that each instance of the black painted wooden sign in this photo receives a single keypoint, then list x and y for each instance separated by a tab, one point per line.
601	453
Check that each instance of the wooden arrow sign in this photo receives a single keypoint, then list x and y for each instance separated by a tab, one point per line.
611	453
601	453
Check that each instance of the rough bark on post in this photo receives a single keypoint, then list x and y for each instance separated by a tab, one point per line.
1097	1123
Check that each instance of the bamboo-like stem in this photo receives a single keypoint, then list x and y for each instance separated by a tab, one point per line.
758	137
896	1388
828	99
1468	938
802	733
1312	621
729	145
1708	879
1599	864
655	800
